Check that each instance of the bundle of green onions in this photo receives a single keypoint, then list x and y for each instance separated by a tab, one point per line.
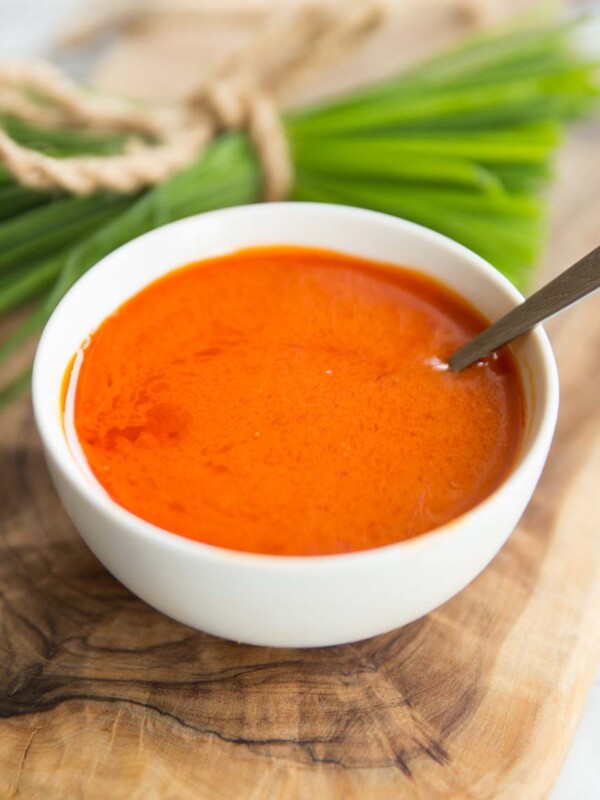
461	144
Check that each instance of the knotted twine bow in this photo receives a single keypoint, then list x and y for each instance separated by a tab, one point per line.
244	95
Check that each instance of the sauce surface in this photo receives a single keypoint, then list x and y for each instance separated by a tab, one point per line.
290	401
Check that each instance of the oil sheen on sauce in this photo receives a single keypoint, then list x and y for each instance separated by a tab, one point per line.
294	401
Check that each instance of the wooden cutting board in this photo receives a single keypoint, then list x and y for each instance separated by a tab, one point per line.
102	697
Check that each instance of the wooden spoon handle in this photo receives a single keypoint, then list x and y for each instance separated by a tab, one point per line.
570	286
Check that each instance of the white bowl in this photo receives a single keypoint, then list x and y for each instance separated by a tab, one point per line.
280	600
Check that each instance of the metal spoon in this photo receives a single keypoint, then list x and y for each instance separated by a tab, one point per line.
570	286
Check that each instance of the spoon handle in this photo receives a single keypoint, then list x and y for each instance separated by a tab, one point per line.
570	286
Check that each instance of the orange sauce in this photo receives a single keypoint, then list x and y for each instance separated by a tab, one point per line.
64	387
290	401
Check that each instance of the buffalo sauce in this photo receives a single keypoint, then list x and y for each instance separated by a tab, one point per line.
294	401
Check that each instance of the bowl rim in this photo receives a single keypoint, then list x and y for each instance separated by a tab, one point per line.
64	460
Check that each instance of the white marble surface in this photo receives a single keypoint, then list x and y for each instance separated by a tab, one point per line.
580	777
26	28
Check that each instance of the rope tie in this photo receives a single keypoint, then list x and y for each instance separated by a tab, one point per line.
254	111
242	96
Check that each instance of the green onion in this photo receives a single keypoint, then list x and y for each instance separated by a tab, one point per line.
61	142
15	200
462	144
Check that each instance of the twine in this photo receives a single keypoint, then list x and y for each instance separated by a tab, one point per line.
244	95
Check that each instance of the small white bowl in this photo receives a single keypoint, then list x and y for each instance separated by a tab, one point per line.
279	600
